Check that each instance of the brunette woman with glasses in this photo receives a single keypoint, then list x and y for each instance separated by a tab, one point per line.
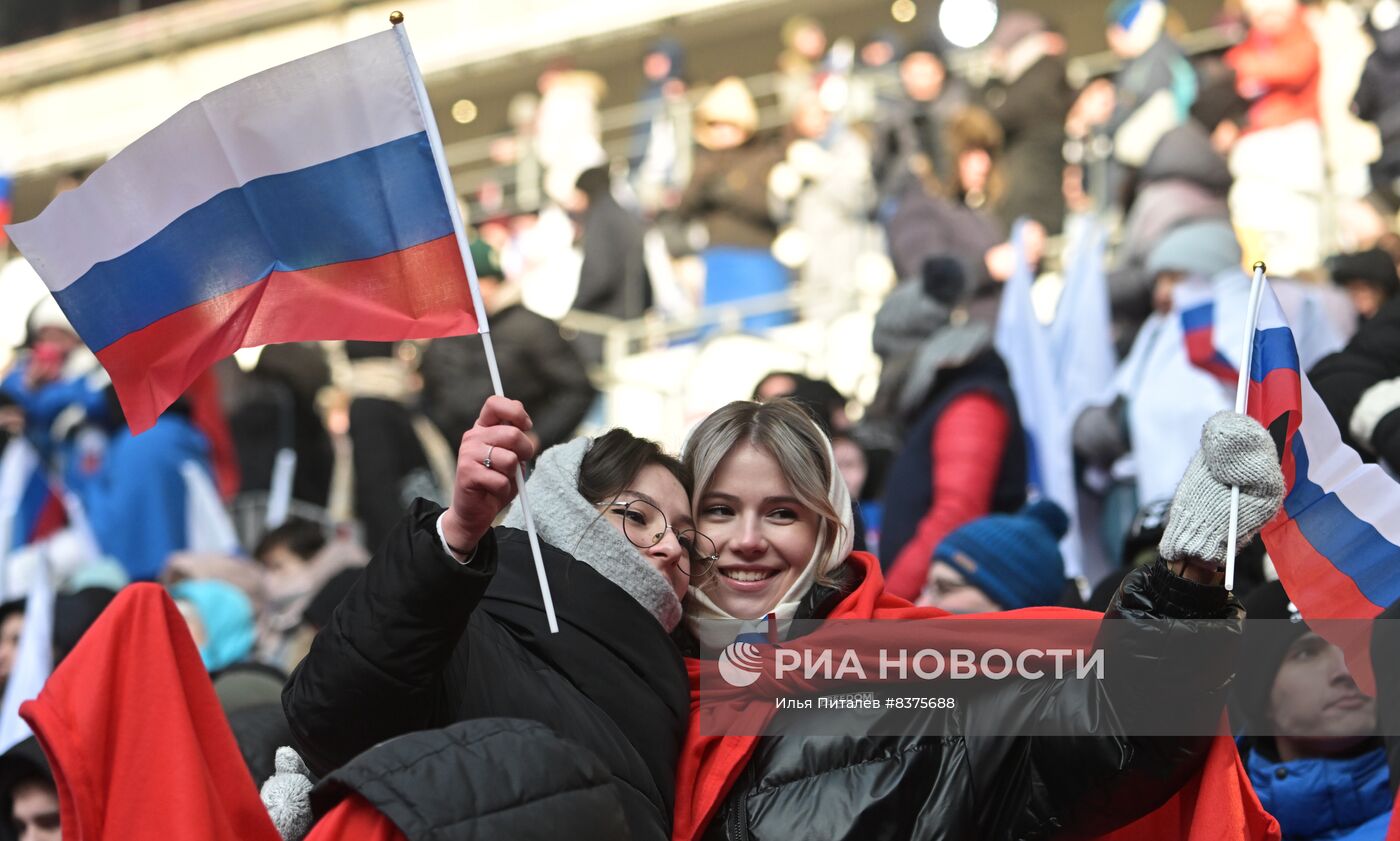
447	625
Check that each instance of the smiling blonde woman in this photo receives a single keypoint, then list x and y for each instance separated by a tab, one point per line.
766	492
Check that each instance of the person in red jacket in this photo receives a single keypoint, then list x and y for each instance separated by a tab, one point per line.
1278	66
1278	163
946	397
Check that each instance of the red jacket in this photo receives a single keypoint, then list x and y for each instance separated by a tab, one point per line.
354	819
1217	803
1280	73
138	743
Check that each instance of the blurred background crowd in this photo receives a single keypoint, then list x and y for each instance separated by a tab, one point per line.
706	204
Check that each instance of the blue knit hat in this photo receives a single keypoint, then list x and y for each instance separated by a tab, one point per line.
1013	558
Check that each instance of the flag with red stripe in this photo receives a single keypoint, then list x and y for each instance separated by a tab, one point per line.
1336	542
303	203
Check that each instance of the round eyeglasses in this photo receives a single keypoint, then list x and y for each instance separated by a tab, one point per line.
645	526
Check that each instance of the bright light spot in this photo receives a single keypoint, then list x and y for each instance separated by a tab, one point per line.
967	23
464	111
247	357
1385	14
792	248
903	11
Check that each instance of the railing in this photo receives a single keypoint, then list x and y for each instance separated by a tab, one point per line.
470	160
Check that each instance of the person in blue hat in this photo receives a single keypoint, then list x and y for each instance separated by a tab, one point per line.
1000	562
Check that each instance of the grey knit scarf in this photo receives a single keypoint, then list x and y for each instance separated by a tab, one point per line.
571	523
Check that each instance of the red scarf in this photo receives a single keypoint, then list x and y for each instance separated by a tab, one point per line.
1217	803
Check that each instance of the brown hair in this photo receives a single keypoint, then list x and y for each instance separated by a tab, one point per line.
615	458
973	128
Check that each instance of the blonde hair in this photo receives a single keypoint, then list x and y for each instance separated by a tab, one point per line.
785	431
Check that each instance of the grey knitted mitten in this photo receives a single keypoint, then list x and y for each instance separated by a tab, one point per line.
287	796
1235	450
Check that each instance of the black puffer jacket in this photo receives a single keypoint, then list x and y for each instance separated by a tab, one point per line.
486	779
421	642
1343	380
1169	645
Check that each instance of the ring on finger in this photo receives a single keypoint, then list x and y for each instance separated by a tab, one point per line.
486	462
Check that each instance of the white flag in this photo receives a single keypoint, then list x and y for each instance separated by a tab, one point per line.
33	661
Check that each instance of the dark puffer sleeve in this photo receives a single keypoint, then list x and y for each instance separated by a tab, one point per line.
1169	653
375	671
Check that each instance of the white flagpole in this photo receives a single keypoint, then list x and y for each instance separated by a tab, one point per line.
1256	290
483	327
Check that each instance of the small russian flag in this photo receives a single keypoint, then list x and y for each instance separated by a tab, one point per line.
30	505
1336	542
6	207
1196	303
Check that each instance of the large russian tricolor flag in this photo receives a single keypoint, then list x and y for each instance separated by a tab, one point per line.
1336	542
302	203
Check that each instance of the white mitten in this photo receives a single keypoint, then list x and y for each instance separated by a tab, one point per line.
287	796
1235	450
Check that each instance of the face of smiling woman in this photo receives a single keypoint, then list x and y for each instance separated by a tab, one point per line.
764	535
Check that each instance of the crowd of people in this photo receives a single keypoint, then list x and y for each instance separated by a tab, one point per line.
335	521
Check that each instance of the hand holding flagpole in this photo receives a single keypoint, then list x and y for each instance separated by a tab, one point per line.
483	327
1256	289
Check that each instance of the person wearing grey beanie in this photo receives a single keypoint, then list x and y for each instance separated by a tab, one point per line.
446	623
1203	249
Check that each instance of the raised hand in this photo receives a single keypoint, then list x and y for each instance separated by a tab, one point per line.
486	461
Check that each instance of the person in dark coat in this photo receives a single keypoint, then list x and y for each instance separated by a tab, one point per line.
274	409
728	195
613	278
909	145
524	782
1369	278
956	217
538	366
1360	386
767	492
446	623
1377	100
392	443
1149	94
1031	104
1311	744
